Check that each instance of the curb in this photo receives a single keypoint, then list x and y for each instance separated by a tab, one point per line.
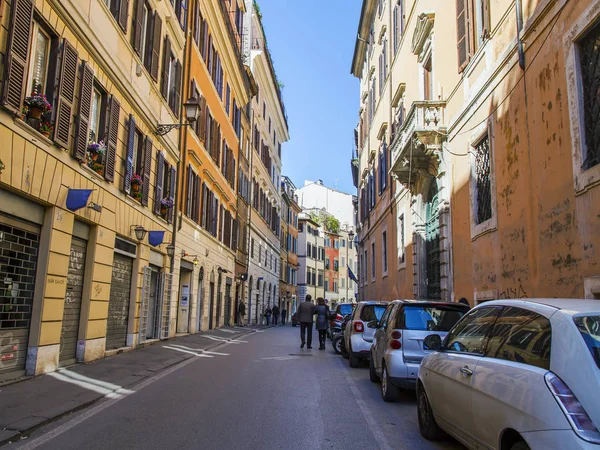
25	433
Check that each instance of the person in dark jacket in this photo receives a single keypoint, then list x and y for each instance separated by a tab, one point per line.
305	314
464	301
242	314
268	313
322	313
275	314
283	316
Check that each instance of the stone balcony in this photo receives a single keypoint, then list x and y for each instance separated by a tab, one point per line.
418	143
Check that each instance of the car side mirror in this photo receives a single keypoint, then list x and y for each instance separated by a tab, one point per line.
344	326
433	342
373	324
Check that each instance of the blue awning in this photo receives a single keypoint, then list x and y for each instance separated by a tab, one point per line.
78	198
155	238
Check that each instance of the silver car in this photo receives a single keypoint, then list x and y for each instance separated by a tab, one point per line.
398	348
357	335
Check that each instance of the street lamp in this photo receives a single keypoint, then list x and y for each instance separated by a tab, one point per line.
170	250
140	232
192	109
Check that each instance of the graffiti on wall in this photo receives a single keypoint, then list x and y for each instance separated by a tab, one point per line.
514	292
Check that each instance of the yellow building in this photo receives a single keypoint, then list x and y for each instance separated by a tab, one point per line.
82	279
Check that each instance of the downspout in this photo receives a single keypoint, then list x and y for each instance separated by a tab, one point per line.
249	231
521	51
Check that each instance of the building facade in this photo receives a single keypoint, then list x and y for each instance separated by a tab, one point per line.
288	282
477	158
311	259
269	131
315	195
83	267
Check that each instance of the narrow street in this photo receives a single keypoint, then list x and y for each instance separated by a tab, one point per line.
260	391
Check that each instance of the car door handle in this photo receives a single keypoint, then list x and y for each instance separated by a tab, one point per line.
466	371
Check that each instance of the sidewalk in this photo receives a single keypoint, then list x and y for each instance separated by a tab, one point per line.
36	401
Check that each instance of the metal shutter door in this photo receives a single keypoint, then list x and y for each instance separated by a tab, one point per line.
70	322
118	306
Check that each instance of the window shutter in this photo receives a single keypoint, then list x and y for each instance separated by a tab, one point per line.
138	25
147	169
66	95
487	25
156	32
462	33
85	106
17	54
177	90
235	237
123	14
164	79
202	120
188	192
221	223
197	22
129	160
204	206
160	178
111	136
172	192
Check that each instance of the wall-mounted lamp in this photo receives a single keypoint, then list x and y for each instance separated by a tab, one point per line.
221	270
170	250
140	232
196	261
191	107
96	207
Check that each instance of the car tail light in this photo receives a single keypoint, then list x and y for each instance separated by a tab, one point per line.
576	415
396	335
359	327
395	345
339	318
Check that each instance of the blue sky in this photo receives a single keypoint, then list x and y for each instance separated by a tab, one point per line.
312	43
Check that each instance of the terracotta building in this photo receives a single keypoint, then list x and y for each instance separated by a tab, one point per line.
477	141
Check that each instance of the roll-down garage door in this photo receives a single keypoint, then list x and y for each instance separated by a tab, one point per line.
70	323
118	306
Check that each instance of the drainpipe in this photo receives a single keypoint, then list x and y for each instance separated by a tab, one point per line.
250	217
519	10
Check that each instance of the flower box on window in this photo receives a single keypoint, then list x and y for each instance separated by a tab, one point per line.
37	105
95	150
165	205
136	182
45	128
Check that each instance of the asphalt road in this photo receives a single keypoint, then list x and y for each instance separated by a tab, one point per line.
262	392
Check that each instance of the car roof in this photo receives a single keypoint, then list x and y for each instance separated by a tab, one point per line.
429	302
372	302
569	306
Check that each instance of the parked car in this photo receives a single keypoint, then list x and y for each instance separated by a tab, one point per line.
337	341
338	314
398	348
515	375
358	337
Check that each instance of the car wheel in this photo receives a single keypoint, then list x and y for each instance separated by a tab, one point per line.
389	392
372	373
427	424
343	349
337	345
521	445
353	361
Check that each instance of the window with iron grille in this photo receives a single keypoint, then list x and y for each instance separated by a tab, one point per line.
589	48
483	180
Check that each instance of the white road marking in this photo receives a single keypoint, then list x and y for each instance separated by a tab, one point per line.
201	350
280	358
222	339
187	351
227	331
91	384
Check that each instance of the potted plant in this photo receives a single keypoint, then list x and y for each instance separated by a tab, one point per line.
37	105
97	167
137	195
165	205
45	128
95	150
24	113
136	181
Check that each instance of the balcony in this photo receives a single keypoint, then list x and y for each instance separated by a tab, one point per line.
418	143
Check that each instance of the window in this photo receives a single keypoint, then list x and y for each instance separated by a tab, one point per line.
350	243
343	283
470	335
434	318
326	284
473	18
335	286
383	168
252	248
227	98
336	265
369	313
95	114
398	24
365	266
118	9
327	265
343	261
171	78
264	110
320	278
40	55
373	261
401	243
427	80
589	327
521	336
483	182
589	47
384	251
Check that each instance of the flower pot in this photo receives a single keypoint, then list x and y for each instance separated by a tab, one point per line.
164	210
94	156
135	187
45	133
35	112
99	170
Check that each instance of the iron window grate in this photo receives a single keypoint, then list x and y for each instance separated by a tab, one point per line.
590	75
483	180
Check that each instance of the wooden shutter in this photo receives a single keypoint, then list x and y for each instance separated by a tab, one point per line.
188	192
487	25
202	120
137	31
234	234
221	223
111	136
462	33
129	160
204	206
17	55
85	105
156	35
66	95
173	179
177	90
147	168
160	179
164	79
197	22
123	14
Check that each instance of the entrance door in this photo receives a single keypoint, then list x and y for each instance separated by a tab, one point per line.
153	306
200	302
228	305
18	265
219	306
432	243
211	300
70	322
118	305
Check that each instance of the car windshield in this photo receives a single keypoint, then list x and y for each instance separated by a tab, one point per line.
589	327
372	312
346	309
434	318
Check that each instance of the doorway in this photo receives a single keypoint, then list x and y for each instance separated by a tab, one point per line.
200	303
153	304
211	298
432	243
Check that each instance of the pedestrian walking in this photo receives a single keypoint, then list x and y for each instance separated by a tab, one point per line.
275	315
283	316
464	301
322	313
242	314
305	314
268	313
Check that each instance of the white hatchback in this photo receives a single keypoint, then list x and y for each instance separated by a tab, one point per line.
516	375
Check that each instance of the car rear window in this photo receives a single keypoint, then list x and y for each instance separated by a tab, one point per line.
372	312
429	318
589	327
345	309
